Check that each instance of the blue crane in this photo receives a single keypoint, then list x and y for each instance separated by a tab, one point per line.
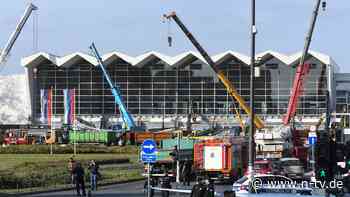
126	116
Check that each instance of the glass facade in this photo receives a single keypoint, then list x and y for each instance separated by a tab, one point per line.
158	88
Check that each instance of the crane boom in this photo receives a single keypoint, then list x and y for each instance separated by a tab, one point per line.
220	74
115	91
6	50
302	70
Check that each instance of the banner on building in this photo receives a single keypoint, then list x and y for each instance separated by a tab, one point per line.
46	106
69	106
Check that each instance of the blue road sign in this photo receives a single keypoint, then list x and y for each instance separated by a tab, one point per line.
149	147
148	158
312	140
148	153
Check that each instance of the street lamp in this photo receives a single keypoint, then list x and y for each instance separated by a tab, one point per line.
253	32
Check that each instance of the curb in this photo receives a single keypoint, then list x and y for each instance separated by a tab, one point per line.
71	188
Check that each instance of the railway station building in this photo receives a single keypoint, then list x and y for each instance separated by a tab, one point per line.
157	88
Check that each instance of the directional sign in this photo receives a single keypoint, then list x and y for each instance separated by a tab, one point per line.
312	140
149	147
146	158
148	153
312	134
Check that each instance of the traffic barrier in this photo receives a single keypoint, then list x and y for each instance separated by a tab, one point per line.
185	191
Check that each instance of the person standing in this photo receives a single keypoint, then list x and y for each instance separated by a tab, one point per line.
71	166
165	183
79	179
93	167
198	190
186	173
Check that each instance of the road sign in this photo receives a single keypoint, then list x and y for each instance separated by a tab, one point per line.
149	147
312	140
148	158
148	153
312	134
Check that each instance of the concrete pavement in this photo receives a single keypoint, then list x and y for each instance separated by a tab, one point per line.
132	189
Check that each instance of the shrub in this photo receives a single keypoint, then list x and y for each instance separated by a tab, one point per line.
66	149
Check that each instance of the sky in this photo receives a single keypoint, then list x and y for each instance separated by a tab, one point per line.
135	27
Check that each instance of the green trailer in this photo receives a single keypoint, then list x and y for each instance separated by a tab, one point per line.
171	143
167	146
100	137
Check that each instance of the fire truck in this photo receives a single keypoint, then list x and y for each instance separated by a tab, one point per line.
16	136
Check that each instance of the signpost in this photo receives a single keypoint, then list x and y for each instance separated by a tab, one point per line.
312	138
148	155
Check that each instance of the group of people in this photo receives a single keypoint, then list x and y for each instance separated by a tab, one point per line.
78	175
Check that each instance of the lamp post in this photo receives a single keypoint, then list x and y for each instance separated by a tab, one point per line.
253	32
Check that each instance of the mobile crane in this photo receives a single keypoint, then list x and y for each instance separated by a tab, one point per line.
220	74
4	53
302	69
6	50
126	116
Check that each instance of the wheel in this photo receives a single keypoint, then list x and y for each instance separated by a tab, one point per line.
121	142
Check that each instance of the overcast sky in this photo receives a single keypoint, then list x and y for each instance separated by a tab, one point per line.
135	27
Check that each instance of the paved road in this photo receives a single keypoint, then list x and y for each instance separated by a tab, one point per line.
134	189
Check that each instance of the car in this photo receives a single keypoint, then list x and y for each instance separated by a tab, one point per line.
261	167
292	168
310	176
241	185
268	183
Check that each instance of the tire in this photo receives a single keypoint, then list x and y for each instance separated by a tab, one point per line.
121	142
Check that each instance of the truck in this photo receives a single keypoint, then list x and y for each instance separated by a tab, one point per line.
16	137
157	136
100	137
166	156
224	159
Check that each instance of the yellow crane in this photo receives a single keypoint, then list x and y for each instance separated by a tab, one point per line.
220	74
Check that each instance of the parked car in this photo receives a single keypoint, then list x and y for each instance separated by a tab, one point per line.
262	167
292	168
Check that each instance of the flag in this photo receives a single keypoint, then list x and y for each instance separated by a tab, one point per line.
69	106
49	107
43	105
46	106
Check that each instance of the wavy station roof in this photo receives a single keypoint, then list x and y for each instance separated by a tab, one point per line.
72	59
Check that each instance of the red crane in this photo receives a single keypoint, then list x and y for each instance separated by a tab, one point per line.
302	69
